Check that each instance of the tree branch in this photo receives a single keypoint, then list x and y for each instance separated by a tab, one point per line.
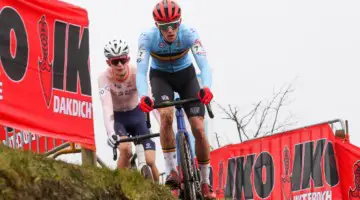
269	115
251	114
232	115
279	105
265	114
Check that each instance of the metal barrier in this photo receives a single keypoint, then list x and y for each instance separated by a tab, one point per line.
332	123
18	140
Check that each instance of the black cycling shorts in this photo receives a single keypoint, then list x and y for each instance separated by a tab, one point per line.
133	123
184	82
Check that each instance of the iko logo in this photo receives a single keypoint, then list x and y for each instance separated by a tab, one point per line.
67	70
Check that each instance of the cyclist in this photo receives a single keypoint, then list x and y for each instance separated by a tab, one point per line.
119	100
172	70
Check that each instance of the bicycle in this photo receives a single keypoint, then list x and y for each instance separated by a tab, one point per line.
142	167
187	166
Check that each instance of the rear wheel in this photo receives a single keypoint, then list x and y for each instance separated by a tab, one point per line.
189	177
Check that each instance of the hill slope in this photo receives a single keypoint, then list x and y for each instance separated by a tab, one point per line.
24	175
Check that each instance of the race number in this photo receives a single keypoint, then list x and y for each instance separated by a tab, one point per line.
198	49
141	55
104	89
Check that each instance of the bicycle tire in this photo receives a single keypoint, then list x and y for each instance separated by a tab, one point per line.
147	173
190	192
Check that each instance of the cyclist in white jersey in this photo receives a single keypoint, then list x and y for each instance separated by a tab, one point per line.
119	100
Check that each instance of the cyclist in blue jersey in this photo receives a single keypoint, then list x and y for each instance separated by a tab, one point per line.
171	69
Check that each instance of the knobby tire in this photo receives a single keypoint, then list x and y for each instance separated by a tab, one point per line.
187	169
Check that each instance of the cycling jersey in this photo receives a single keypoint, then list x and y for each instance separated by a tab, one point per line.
170	57
116	96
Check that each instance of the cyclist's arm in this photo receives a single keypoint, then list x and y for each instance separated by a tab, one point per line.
200	57
107	104
142	60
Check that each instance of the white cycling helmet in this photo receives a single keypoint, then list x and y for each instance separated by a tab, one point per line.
116	48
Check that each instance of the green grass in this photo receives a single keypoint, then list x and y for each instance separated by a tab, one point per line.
25	175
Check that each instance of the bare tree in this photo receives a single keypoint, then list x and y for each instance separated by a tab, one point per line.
264	115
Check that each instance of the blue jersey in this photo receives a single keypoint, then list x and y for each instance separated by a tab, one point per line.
170	57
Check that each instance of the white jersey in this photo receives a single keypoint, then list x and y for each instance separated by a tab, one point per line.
117	96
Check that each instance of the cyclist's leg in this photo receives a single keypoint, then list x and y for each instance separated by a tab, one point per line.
150	156
195	113
124	148
163	91
140	128
188	87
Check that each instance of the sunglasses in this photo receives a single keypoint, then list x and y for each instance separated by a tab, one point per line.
174	25
122	60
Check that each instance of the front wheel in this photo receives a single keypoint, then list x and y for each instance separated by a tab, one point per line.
187	169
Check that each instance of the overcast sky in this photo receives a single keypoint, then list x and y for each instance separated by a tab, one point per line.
254	47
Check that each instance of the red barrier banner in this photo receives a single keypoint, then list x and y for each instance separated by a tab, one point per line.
300	164
45	70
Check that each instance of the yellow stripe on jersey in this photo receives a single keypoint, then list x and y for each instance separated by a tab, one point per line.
169	56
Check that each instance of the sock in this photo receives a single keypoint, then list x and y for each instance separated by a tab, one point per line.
205	171
170	160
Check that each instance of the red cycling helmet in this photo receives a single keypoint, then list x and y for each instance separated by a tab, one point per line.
166	11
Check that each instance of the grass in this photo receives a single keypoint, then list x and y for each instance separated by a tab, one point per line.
25	175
